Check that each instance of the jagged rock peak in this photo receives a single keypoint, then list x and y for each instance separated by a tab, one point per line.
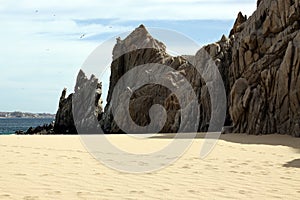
258	2
140	38
237	27
82	79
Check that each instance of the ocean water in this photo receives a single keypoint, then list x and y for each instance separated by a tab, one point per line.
10	125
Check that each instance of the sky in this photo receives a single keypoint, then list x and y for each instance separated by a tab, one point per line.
44	43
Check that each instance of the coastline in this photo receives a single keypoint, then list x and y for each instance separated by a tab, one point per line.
22	125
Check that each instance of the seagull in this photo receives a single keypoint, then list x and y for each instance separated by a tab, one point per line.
82	36
129	90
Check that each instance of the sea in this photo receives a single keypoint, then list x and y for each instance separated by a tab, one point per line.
10	125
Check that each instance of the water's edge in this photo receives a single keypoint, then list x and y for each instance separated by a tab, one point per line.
11	125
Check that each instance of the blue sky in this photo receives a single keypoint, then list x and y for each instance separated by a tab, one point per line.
41	50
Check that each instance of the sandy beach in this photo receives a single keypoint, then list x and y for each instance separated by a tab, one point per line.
59	167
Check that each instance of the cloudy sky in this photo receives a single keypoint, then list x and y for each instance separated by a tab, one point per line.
42	49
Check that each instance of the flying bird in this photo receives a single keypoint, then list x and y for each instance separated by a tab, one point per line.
82	36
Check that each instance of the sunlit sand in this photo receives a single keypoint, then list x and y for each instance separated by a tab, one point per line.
59	167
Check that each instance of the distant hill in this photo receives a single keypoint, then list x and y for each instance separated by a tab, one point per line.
18	114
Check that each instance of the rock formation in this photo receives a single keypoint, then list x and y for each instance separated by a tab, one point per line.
141	48
87	96
259	64
88	104
264	71
64	123
238	24
46	129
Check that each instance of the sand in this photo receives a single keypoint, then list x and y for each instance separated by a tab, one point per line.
239	167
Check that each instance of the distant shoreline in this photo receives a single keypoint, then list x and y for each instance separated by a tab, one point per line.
25	115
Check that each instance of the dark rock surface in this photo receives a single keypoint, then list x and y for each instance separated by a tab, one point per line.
64	123
46	129
141	48
88	102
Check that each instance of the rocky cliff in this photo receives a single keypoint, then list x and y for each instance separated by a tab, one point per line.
264	75
87	97
141	48
259	64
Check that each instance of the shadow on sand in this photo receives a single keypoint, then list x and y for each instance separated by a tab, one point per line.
294	163
272	139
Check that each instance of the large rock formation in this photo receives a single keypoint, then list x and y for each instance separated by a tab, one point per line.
259	64
87	104
264	71
64	123
87	96
141	48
